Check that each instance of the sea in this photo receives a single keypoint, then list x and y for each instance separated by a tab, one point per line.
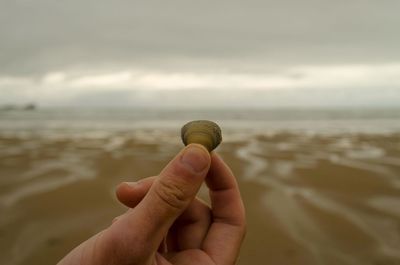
318	120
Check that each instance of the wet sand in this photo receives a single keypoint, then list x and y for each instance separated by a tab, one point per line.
310	198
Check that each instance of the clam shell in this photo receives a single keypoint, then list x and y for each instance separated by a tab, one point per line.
206	133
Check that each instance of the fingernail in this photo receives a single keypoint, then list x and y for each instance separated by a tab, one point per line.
131	184
195	157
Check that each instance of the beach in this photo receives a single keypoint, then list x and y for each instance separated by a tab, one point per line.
319	190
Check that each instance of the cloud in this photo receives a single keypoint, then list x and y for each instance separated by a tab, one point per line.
305	84
53	78
303	76
42	36
119	79
60	52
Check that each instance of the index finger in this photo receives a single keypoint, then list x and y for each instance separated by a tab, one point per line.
229	222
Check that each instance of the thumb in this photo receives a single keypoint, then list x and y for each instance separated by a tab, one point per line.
172	192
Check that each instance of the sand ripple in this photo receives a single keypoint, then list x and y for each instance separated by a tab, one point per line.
311	198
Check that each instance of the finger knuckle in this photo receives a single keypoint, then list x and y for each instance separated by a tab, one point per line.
171	194
117	245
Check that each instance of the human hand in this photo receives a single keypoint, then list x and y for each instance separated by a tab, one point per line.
167	223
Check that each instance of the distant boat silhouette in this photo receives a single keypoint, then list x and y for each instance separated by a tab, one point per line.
30	106
10	107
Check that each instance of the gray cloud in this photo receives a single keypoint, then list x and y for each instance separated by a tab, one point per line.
384	97
41	36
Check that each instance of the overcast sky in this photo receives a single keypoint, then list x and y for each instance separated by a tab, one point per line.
255	53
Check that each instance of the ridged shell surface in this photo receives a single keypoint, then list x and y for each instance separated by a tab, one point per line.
204	132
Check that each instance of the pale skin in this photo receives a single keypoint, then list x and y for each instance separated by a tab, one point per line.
167	224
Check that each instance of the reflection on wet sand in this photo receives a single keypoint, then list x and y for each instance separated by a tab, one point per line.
310	198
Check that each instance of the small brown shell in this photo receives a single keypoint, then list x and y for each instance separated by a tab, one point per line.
206	133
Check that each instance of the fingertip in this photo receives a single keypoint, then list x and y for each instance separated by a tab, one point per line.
131	193
125	187
217	159
124	190
218	164
220	175
204	149
196	158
